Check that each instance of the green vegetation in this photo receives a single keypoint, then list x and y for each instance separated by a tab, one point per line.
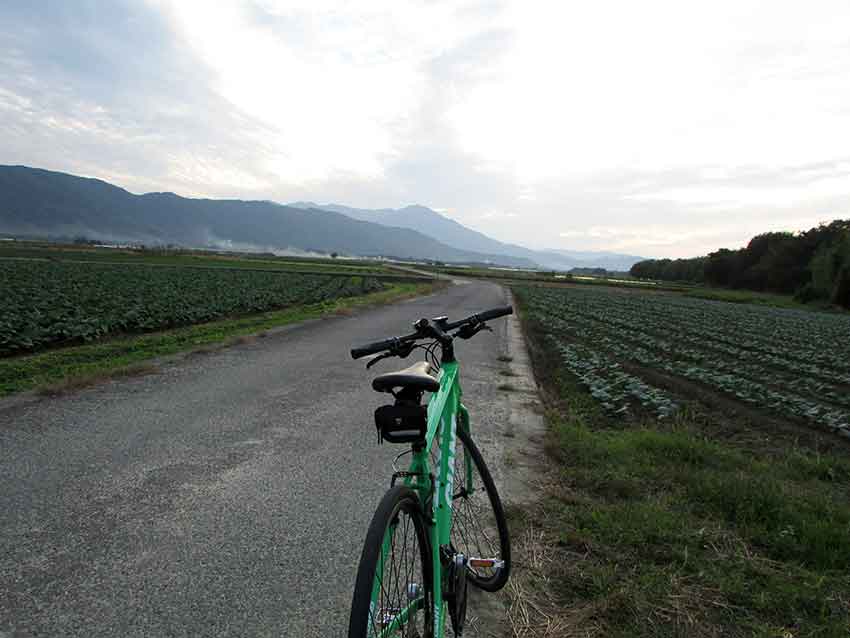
68	367
636	353
184	257
696	524
71	314
691	289
813	265
752	297
60	303
510	275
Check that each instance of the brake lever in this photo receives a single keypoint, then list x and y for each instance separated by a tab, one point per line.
372	362
470	330
401	352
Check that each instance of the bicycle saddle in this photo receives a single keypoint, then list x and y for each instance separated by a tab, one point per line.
418	377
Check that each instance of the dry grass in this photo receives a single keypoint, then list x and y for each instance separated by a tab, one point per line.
536	609
539	606
78	383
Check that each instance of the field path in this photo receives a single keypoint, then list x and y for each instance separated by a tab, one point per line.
227	495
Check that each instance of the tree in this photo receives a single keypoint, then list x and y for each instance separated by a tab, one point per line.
809	264
721	267
841	291
830	270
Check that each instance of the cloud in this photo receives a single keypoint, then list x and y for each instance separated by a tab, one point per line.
788	187
669	130
634	211
106	90
498	214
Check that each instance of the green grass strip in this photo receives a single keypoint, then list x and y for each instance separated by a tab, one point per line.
701	525
55	370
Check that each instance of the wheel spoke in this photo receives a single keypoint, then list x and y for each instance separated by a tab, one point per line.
399	578
476	530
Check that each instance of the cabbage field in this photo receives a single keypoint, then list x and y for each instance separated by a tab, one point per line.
792	363
48	303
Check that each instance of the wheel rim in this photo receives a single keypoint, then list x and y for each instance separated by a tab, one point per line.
400	606
474	532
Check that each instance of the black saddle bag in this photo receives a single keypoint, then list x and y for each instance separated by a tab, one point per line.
402	423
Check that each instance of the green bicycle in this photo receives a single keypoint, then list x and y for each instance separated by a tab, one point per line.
443	527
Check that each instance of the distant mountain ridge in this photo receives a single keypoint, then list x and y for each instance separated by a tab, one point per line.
40	203
37	202
446	230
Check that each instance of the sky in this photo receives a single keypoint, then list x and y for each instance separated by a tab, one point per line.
661	128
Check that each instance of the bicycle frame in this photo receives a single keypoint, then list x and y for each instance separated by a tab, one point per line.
445	414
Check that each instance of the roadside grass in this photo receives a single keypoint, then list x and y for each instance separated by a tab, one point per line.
660	529
65	369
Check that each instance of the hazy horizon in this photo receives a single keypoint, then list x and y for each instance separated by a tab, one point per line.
655	130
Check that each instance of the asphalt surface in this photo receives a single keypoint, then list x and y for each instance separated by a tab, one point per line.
227	495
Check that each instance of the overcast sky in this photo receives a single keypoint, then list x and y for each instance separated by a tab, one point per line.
658	128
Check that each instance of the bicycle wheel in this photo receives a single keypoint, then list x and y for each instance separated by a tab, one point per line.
393	593
479	530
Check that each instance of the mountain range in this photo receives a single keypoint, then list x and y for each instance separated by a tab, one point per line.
40	203
433	224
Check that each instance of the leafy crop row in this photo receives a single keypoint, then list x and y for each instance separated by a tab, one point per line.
790	362
609	384
47	303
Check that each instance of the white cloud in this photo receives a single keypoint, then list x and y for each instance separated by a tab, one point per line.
785	195
662	84
660	127
335	82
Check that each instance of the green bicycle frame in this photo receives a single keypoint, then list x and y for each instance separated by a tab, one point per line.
445	414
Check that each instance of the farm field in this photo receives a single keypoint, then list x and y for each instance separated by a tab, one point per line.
629	350
542	276
512	277
694	484
181	257
50	303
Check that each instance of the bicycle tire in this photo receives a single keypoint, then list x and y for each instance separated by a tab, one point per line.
467	512
369	616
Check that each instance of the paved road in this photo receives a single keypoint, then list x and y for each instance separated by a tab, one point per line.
227	495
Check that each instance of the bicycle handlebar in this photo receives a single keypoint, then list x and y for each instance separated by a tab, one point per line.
433	331
379	346
481	317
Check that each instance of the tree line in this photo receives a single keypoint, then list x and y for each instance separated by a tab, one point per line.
812	265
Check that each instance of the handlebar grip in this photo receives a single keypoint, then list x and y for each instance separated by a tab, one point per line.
380	346
372	348
495	312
